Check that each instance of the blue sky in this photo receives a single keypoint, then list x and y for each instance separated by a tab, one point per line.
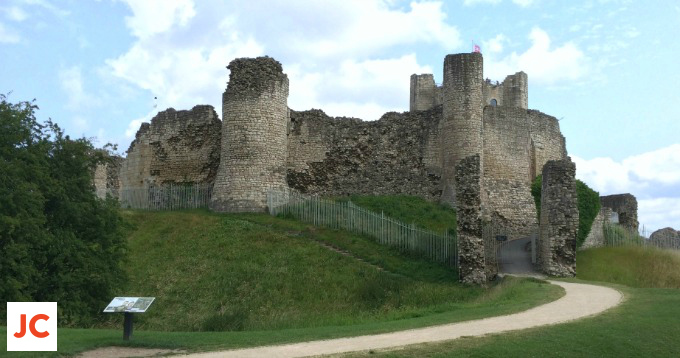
607	69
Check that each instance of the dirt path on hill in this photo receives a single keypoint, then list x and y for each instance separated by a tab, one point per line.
580	300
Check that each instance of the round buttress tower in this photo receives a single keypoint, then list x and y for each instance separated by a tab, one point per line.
461	127
254	135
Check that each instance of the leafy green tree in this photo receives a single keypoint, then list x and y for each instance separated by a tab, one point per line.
588	205
59	242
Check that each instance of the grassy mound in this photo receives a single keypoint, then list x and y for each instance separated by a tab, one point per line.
411	209
630	266
213	272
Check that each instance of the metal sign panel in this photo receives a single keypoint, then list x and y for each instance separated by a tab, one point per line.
129	304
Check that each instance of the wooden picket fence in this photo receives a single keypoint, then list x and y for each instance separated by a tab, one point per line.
167	197
345	215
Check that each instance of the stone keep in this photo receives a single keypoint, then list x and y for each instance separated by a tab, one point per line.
254	135
559	219
471	253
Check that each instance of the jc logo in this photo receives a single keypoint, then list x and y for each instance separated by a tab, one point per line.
31	326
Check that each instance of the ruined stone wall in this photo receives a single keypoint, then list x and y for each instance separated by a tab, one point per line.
515	91
559	219
595	237
491	91
548	141
507	178
423	92
398	154
176	147
461	126
99	179
254	135
626	206
667	238
507	144
471	254
106	177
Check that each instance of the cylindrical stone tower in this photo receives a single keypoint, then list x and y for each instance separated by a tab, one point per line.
254	135
461	127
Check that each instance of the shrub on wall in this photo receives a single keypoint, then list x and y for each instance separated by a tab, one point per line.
588	206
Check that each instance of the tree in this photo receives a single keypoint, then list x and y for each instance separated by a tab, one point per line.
588	206
59	241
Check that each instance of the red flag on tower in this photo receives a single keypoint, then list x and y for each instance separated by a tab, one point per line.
477	49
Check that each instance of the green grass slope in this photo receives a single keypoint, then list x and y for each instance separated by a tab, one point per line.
214	272
631	266
410	209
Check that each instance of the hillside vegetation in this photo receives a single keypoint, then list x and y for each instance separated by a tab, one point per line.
213	272
631	266
411	209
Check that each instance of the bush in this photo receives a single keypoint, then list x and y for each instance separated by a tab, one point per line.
59	242
588	206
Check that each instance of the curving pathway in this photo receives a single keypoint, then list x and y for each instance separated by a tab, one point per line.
580	300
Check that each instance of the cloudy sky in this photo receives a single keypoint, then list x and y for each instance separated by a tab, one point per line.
607	69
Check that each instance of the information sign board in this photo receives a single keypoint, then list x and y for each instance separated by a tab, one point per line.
129	304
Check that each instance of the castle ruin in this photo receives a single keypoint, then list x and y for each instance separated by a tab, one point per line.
261	144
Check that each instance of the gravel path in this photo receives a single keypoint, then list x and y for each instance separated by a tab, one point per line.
580	300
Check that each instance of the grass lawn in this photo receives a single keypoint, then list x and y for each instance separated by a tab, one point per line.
226	281
646	324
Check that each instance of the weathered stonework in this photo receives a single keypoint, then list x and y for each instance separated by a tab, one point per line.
512	92
176	147
397	154
666	238
461	126
264	145
596	236
471	253
559	219
626	206
254	135
106	178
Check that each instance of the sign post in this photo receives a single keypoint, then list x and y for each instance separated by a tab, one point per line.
128	306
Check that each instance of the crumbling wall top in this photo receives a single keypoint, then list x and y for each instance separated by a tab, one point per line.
254	75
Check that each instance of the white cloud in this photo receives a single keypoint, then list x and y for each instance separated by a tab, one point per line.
333	52
7	35
495	45
475	2
364	89
658	213
368	27
523	3
14	13
49	6
544	63
72	83
653	177
152	17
